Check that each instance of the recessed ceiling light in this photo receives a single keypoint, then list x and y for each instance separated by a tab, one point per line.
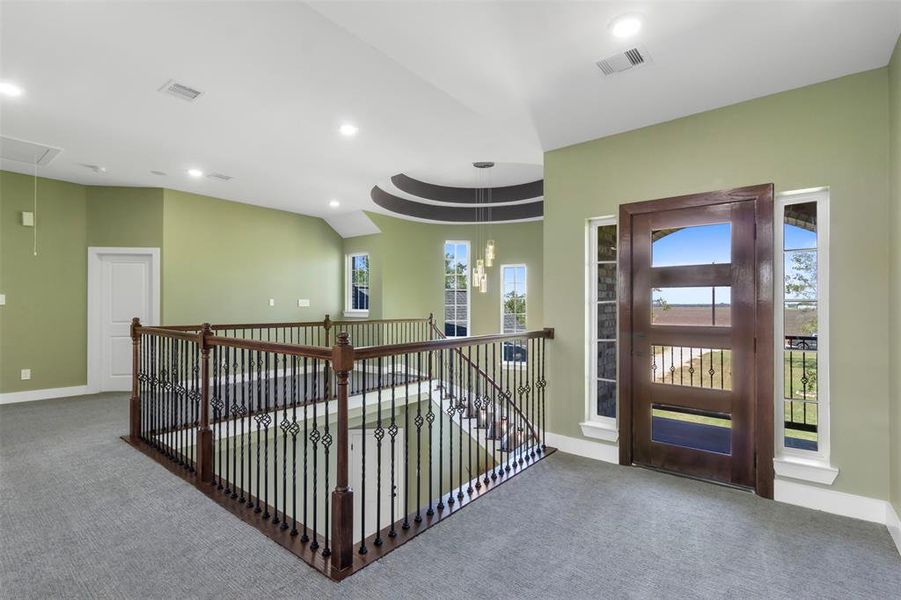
625	26
10	89
334	204
348	129
195	172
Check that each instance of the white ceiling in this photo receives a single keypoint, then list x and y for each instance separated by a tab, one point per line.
432	86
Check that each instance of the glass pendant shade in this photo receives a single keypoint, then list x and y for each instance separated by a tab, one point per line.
483	284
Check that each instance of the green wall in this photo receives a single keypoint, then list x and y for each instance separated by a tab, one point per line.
125	217
223	261
895	354
43	324
831	134
407	269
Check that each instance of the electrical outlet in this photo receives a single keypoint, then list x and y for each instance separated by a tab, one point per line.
271	301
26	374
303	302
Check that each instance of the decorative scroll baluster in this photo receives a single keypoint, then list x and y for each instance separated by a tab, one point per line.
314	438
418	421
430	418
379	433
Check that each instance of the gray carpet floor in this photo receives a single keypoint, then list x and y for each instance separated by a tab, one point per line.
83	515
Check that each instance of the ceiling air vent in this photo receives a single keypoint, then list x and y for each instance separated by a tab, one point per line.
27	152
173	88
631	58
220	177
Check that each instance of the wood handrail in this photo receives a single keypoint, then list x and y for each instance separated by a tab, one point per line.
448	343
179	334
289	349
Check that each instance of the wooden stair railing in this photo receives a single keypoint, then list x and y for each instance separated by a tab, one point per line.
262	425
490	381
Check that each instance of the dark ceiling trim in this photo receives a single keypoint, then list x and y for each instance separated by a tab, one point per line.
456	214
462	195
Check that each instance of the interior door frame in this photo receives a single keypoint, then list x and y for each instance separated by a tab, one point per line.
95	285
762	196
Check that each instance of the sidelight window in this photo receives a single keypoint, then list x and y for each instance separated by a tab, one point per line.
802	324
602	322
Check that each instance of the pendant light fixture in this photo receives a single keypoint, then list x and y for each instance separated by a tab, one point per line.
483	217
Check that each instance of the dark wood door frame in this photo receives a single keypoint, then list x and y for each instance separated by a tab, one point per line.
762	197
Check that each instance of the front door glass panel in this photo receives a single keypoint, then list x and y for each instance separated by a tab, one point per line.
694	429
694	245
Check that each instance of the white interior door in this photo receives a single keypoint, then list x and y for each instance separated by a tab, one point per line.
126	291
356	478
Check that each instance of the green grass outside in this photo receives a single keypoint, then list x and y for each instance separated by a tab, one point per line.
794	389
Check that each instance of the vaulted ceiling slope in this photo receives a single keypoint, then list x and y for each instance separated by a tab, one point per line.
432	86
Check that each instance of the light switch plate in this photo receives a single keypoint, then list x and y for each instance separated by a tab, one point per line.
303	302
2	299
27	219
271	301
26	374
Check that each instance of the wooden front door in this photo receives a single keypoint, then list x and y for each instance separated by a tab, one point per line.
697	317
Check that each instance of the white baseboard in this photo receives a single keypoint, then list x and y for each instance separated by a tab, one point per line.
597	451
45	394
893	522
831	501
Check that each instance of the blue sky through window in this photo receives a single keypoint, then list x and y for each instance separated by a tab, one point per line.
698	245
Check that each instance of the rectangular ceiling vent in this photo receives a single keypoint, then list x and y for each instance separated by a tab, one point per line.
220	177
30	153
173	88
630	59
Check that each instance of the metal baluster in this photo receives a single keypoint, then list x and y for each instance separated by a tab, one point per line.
392	431
406	523
245	414
314	437
441	393
306	403
293	429
460	409
326	445
451	410
285	426
363	549
379	434
430	418
258	417
418	421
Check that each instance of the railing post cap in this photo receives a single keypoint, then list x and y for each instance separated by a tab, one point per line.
135	323
342	354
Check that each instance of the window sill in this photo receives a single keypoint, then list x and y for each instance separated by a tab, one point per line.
600	431
805	469
356	314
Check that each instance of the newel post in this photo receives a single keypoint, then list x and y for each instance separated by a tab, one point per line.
327	324
431	326
342	496
134	406
204	433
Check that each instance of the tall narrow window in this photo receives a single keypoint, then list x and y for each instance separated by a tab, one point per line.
456	289
513	309
802	323
357	284
602	322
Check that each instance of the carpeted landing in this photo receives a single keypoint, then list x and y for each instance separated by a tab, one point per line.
84	515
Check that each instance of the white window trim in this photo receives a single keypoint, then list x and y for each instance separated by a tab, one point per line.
596	426
348	274
468	287
807	465
510	363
